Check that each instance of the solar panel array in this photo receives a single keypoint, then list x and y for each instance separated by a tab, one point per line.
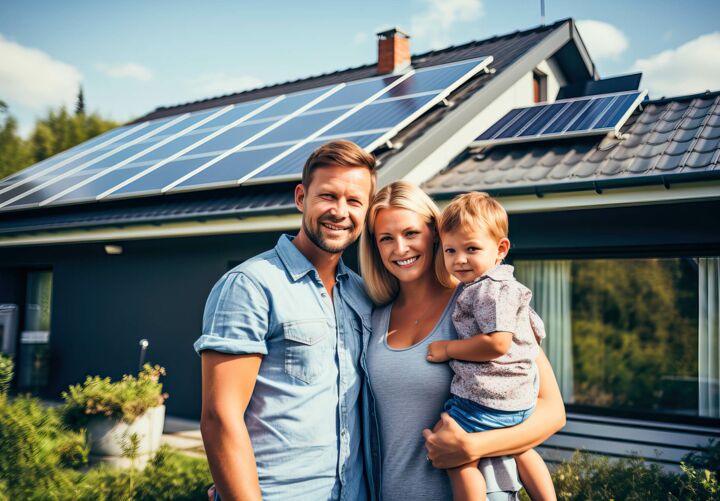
564	118
260	141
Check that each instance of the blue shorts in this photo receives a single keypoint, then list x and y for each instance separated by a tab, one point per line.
474	417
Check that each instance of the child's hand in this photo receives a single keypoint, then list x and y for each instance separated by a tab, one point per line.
437	352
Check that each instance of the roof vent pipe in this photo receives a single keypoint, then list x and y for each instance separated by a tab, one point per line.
393	51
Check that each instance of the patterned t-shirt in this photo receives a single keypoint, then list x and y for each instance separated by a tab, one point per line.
492	303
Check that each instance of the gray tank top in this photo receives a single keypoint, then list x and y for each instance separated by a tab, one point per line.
410	393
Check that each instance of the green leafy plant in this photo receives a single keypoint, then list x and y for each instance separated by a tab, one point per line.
6	372
632	479
126	399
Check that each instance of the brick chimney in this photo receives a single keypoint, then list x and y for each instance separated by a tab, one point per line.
393	51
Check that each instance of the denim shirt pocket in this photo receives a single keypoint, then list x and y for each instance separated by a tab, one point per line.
307	348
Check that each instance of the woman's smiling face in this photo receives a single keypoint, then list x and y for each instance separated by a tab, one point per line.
405	242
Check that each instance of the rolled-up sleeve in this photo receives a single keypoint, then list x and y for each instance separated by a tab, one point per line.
236	317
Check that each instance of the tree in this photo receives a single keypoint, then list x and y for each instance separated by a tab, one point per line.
56	132
14	154
80	104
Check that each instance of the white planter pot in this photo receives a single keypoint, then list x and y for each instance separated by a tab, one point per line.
106	437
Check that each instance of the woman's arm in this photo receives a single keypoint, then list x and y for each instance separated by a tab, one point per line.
449	445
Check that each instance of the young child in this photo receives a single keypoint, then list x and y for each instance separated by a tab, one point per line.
496	380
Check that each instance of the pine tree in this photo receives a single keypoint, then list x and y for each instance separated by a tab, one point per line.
80	104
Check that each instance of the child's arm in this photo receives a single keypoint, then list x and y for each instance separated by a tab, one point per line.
449	445
479	348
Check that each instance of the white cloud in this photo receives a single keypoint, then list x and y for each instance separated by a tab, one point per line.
692	67
603	40
133	71
360	38
434	25
32	78
214	84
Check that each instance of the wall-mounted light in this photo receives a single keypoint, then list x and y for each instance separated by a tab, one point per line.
113	250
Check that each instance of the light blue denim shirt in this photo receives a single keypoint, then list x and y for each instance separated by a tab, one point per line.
304	415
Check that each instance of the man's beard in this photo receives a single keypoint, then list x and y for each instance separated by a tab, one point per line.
319	241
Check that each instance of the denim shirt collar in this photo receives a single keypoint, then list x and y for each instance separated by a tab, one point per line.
296	264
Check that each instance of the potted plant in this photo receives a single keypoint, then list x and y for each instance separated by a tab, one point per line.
124	419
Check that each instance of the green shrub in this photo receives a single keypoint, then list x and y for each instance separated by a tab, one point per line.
40	459
35	448
587	477
126	399
6	372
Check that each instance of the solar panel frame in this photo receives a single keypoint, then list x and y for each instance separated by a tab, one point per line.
26	175
11	202
58	200
156	145
572	120
480	64
179	185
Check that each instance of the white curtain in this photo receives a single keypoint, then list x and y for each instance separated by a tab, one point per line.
550	283
709	336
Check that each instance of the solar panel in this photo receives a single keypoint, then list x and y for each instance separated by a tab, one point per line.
584	116
256	142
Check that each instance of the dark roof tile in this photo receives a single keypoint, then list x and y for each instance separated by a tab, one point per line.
667	137
584	170
625	152
652	150
713	121
665	126
614	166
704	145
669	162
657	137
538	173
677	147
684	135
675	115
515	175
640	165
692	123
698	160
710	132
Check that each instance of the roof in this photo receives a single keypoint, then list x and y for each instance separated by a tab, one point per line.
664	141
233	202
277	198
505	49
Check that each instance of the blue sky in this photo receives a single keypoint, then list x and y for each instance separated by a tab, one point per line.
133	56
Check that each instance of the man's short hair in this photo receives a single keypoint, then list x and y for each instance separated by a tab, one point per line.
475	211
341	152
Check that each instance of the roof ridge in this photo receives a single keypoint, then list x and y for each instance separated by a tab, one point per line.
494	38
688	97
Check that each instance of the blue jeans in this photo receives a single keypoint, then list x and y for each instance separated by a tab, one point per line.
474	417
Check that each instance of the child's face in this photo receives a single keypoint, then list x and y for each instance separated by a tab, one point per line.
470	254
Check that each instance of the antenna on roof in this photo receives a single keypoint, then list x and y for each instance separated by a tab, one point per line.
542	12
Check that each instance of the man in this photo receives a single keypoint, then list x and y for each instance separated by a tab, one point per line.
281	345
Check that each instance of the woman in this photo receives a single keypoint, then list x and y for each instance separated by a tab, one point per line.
405	275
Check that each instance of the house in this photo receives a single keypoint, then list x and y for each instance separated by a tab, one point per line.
93	275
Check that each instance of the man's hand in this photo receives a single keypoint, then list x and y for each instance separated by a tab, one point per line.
445	443
437	351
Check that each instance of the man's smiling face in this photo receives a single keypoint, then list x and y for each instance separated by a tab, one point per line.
334	206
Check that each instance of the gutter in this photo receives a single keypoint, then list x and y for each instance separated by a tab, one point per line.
150	231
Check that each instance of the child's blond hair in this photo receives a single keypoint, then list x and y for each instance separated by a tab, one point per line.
474	211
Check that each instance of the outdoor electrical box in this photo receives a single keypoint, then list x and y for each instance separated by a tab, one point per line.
8	328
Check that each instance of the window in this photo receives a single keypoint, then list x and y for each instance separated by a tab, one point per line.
539	86
631	334
35	337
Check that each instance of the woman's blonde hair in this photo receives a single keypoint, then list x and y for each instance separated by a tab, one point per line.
381	285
